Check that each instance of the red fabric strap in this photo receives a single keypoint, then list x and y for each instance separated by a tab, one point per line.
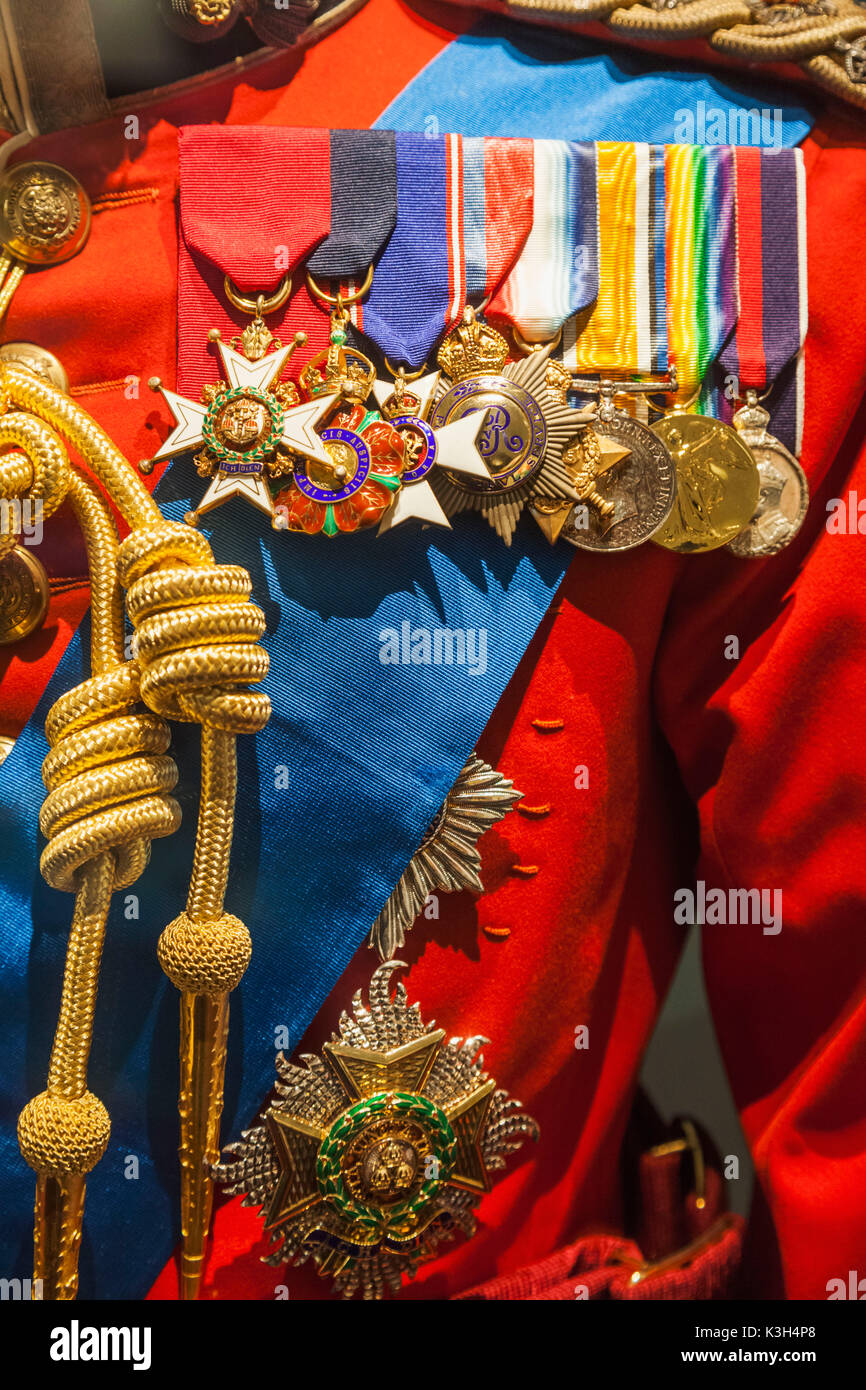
247	191
604	1266
254	202
750	324
509	166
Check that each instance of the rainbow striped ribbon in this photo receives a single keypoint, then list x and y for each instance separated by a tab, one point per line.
556	274
626	329
700	235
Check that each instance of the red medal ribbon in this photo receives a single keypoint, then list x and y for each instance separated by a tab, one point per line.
255	226
750	324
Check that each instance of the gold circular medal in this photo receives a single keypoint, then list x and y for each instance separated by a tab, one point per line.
38	360
717	483
513	439
6	746
44	213
23	595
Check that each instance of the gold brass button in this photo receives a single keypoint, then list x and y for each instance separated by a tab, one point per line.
23	595
36	359
44	214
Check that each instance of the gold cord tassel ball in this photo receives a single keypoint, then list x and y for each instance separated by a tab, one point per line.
59	1135
205	957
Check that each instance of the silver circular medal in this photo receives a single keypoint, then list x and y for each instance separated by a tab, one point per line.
782	505
784	496
640	489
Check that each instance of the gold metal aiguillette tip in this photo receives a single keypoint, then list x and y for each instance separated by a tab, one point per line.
57	1225
203	1037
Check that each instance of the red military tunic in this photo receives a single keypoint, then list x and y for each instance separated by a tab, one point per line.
626	677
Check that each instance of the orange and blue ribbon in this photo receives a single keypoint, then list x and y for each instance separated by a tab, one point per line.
626	330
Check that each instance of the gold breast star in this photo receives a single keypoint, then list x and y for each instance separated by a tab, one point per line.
378	1150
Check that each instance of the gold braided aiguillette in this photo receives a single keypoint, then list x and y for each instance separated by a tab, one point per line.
109	782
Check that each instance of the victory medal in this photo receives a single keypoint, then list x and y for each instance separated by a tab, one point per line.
717	483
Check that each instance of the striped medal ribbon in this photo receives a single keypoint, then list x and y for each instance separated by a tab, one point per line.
556	274
625	331
736	321
701	251
765	353
464	212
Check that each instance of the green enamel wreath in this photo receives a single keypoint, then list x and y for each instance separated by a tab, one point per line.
262	450
345	1127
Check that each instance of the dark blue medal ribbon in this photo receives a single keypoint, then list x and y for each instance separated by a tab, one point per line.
363	203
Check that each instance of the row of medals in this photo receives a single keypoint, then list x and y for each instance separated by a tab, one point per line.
598	478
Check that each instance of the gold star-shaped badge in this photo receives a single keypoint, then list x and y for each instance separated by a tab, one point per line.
374	1152
586	458
610	453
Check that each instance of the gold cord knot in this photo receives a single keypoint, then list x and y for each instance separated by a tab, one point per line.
108	780
59	1135
35	469
196	632
205	957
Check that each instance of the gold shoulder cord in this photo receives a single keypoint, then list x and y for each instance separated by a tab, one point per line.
109	783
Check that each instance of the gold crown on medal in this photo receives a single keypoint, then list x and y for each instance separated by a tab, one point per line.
473	348
341	369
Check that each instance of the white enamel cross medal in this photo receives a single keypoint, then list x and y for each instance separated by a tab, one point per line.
249	427
452	447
